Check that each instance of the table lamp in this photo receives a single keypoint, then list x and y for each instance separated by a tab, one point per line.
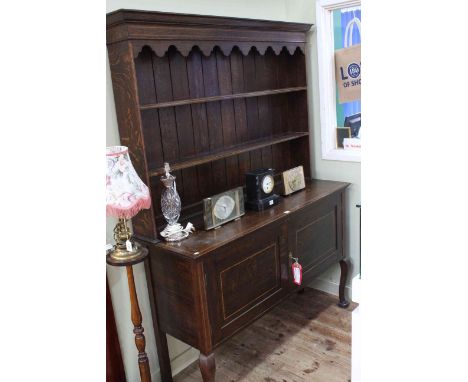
126	195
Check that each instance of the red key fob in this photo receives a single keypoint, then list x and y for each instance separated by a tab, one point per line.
297	273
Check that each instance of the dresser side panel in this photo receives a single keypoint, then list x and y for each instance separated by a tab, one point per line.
177	300
124	85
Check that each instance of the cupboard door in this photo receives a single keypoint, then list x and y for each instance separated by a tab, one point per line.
316	236
246	278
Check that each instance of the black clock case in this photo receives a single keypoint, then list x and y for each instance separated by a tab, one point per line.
263	204
258	200
253	181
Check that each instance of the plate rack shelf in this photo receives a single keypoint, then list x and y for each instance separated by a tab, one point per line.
231	151
221	98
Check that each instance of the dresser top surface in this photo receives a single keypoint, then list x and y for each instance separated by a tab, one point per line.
148	17
202	242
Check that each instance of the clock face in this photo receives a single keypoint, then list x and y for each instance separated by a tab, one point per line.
224	207
267	184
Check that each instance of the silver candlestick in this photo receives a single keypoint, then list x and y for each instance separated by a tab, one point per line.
171	207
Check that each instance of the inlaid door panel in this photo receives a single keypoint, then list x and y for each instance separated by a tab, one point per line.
249	279
246	278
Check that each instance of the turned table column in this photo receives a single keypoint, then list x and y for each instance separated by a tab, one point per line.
140	341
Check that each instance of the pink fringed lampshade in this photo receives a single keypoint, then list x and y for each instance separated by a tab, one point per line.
126	194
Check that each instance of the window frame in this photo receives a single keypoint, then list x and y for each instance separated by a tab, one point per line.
327	84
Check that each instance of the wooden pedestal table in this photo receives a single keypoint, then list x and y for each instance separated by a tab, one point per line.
140	342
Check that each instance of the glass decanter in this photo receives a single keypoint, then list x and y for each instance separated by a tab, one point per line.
171	207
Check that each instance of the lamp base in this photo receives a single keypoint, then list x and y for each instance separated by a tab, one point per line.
118	256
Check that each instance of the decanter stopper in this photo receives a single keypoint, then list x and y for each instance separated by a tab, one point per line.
168	180
167	168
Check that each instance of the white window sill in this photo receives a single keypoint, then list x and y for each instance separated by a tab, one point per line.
343	155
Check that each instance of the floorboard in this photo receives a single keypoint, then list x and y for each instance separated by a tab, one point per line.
307	338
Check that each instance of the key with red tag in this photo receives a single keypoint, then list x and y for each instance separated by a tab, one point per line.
297	271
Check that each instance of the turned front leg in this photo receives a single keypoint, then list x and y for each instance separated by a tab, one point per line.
207	367
344	275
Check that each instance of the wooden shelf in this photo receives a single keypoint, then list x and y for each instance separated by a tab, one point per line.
221	97
231	151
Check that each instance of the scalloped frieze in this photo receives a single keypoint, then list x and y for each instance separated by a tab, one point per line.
206	47
292	48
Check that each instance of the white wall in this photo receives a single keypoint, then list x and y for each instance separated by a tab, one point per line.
285	10
267	9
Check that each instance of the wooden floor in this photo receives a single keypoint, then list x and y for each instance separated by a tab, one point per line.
305	338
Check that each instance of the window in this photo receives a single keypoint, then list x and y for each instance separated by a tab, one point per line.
339	27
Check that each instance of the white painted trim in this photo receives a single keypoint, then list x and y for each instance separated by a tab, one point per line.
327	88
341	155
184	360
178	363
356	344
330	287
356	331
356	287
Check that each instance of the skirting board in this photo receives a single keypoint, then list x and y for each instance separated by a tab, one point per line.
356	332
184	360
356	345
329	287
356	296
179	363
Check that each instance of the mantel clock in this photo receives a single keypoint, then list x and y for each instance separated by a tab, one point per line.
260	184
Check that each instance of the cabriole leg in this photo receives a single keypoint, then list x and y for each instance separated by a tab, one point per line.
207	367
344	275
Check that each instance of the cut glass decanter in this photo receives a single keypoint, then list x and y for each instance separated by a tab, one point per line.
171	207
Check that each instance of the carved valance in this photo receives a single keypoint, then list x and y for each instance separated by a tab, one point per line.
206	47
